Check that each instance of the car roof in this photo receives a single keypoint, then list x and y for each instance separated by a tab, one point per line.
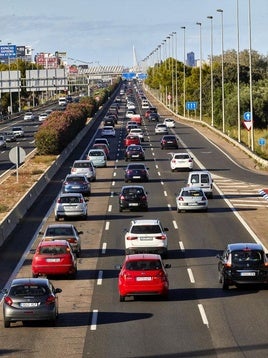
145	222
146	256
191	188
245	246
96	150
132	186
82	161
59	225
54	243
29	280
75	176
64	195
200	172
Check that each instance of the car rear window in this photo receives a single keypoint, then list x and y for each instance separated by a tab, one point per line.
69	200
192	193
96	154
58	231
143	265
82	165
247	256
181	156
52	250
28	290
133	191
146	229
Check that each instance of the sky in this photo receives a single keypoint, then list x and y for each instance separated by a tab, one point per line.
104	32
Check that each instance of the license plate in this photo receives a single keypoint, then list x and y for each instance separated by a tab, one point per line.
133	204
135	155
146	238
53	260
192	204
28	304
248	273
144	278
136	177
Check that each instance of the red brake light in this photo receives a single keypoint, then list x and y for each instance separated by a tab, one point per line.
162	237
72	240
180	198
50	300
132	237
8	301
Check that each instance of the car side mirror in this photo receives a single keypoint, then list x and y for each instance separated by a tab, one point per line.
167	266
58	290
166	229
41	233
80	232
118	267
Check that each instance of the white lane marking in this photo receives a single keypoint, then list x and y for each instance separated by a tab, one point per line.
156	166
169	207
93	325
107	225
175	224
99	280
114	174
165	193
104	246
112	194
181	246
110	208
203	314
191	276
113	183
162	183
159	174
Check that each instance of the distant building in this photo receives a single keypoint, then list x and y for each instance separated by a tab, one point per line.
190	59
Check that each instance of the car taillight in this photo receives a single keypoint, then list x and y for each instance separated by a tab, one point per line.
129	171
173	161
72	240
122	197
161	276
8	301
190	160
50	300
143	197
132	237
80	200
228	265
162	237
59	201
180	198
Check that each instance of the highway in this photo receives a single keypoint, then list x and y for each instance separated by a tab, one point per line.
198	320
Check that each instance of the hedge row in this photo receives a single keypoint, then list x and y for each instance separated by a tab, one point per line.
61	127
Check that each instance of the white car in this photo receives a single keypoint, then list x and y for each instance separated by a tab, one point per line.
138	132
146	235
169	122
3	143
191	199
42	116
161	128
18	131
28	116
70	205
181	161
130	113
108	131
84	167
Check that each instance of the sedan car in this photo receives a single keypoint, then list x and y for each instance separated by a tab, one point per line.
30	299
191	199
108	131
169	141
133	197
10	136
169	122
146	236
136	172
143	274
181	161
66	232
243	264
54	258
29	116
98	157
85	167
134	152
131	139
70	205
161	128
76	183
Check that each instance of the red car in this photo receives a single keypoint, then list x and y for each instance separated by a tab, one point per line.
132	139
143	274
54	258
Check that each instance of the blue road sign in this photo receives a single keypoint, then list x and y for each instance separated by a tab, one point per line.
191	106
262	141
8	51
142	76
128	75
247	116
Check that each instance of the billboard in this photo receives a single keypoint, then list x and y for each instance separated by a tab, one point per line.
8	51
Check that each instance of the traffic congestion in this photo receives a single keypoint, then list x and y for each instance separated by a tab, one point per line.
137	240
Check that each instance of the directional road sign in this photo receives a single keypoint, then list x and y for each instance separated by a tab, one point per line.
191	106
247	116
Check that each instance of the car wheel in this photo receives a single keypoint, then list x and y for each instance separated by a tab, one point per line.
122	298
225	285
6	323
120	209
56	218
34	275
173	170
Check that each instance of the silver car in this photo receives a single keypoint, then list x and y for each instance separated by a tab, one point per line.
70	205
191	199
98	157
30	299
84	167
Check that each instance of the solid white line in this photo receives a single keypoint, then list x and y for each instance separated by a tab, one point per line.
175	224
107	225
93	325
110	208
99	280
104	246
181	246
165	193
191	276
203	314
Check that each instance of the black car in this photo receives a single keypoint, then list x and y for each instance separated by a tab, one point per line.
153	117
134	152
243	263
169	141
136	172
133	197
108	122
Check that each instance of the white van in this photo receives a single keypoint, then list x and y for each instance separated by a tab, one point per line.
202	179
62	101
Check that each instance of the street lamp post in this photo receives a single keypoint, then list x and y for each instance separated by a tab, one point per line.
200	71
250	78
222	72
211	70
9	81
184	86
238	74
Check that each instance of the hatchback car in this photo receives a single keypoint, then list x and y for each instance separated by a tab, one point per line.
42	116
131	139
30	299
70	205
102	141
10	136
102	146
108	131
84	167
76	183
29	116
161	128
131	126
191	199
54	258
169	141
153	117
146	235
133	197
138	132
66	232
18	131
243	263
136	172
98	157
169	122
181	161
134	152
143	274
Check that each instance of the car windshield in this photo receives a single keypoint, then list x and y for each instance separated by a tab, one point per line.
82	165
75	179
247	256
70	199
146	229
134	191
181	156
192	193
96	154
143	265
53	250
59	231
28	290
